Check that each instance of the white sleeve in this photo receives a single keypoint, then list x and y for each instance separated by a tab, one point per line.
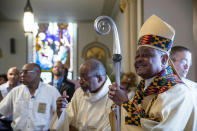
176	110
62	123
56	94
6	105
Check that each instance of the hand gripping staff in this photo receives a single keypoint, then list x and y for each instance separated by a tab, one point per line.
103	25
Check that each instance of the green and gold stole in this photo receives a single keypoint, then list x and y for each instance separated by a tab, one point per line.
163	81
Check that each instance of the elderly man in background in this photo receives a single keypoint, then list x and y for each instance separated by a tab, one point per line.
13	81
90	106
182	59
162	102
31	104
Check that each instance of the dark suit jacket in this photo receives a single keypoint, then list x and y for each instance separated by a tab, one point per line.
67	86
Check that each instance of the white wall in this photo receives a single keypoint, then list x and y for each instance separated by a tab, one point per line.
127	24
122	20
12	30
178	13
86	35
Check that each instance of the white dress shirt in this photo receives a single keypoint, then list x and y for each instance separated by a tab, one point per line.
30	113
4	89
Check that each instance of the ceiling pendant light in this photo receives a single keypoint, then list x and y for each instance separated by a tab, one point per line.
28	19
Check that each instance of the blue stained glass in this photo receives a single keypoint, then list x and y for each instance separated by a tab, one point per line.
66	35
51	49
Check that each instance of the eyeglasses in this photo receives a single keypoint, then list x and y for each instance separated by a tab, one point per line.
26	71
86	78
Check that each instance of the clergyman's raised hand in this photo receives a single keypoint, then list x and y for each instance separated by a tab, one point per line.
61	103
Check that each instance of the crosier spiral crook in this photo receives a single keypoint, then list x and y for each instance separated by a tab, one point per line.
103	25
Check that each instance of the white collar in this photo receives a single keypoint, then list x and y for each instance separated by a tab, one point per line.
7	84
93	97
36	91
148	82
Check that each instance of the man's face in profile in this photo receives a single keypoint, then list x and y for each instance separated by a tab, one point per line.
182	62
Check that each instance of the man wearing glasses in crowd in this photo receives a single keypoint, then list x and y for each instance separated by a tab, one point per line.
31	104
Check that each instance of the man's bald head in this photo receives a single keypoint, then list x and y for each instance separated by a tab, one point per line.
13	69
13	77
59	63
30	74
95	67
92	75
33	66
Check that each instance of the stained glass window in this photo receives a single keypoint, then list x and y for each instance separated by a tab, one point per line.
52	43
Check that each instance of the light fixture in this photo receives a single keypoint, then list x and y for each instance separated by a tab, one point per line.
28	19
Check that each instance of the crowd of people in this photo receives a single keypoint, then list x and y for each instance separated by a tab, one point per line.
163	100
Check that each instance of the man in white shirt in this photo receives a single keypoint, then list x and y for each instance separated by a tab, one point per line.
90	106
31	104
13	81
162	102
182	59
